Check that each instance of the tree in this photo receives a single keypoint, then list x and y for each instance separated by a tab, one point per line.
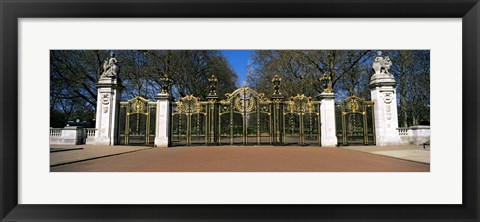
189	71
300	70
74	73
350	71
412	71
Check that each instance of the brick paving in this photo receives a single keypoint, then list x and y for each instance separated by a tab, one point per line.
244	159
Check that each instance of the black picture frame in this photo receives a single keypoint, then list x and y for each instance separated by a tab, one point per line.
11	11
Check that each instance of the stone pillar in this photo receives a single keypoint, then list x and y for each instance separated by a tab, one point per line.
162	128
384	96
108	95
327	119
163	115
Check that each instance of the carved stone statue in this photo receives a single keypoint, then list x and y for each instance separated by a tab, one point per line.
381	65
110	68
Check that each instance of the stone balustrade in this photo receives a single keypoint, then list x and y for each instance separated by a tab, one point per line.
55	135
72	135
403	131
55	132
90	134
414	134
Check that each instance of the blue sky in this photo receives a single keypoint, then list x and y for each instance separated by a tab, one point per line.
238	59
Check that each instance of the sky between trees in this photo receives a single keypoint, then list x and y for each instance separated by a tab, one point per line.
74	73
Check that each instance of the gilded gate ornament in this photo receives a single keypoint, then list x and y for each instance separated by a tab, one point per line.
189	104
300	103
198	106
244	114
137	106
353	105
291	105
357	121
179	107
165	83
247	117
244	103
310	105
137	121
326	81
189	120
301	120
213	86
276	85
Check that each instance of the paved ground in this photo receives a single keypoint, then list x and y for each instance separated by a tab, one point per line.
414	153
63	154
240	159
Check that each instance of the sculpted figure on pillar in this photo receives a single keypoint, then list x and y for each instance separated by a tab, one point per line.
381	65
110	68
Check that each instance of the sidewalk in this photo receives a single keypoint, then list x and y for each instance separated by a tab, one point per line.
414	153
64	154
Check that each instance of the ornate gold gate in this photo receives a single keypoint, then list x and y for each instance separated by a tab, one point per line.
301	121
245	117
137	122
189	121
355	121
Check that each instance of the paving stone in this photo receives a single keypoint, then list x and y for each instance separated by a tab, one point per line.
245	159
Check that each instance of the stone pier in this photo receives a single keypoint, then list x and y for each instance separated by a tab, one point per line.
327	119
383	94
162	138
108	96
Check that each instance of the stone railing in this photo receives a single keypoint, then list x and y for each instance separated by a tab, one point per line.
403	131
55	132
90	135
414	134
55	135
71	135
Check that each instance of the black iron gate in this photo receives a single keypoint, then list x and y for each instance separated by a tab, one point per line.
355	122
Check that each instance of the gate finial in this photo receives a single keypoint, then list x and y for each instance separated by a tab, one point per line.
213	86
165	83
276	85
327	83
